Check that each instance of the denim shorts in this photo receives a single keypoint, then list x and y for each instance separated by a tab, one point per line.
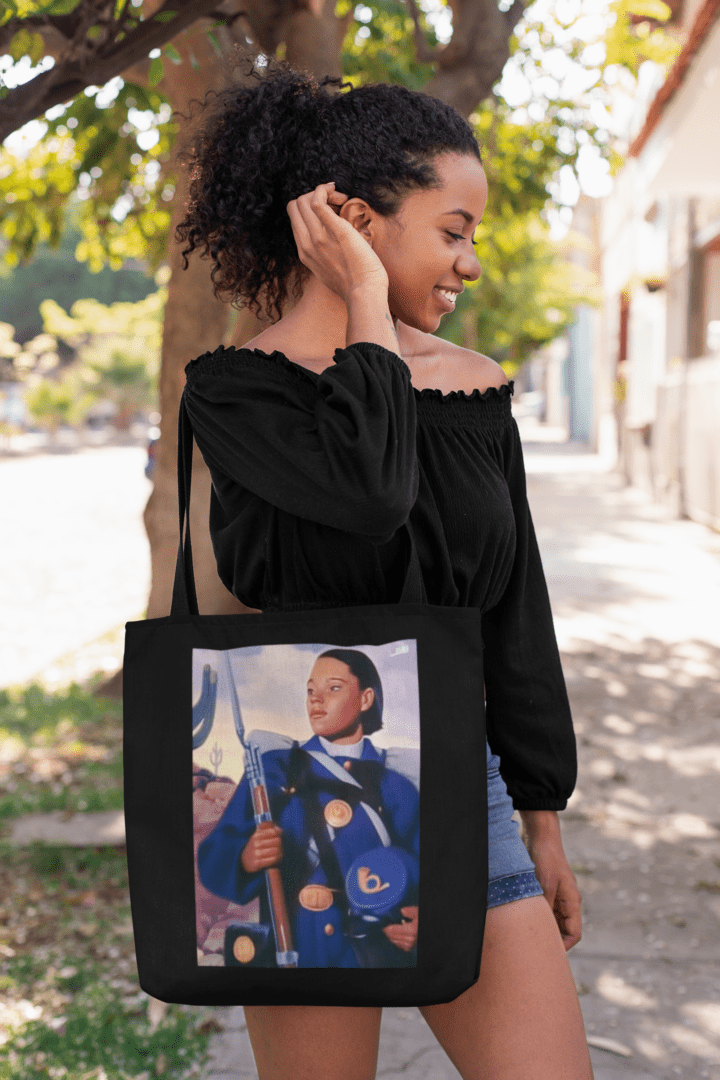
511	871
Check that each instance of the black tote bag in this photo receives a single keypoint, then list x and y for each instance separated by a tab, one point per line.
223	731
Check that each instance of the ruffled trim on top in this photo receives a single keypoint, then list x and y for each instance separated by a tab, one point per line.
217	358
436	408
493	393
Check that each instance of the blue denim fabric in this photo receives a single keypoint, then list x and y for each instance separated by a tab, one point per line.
511	871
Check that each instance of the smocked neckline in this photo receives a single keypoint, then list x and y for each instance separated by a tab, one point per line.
427	393
492	393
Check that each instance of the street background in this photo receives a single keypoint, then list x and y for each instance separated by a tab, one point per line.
634	595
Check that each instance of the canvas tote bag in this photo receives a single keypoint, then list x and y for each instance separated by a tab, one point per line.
219	740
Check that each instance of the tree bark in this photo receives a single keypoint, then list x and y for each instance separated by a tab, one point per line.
194	322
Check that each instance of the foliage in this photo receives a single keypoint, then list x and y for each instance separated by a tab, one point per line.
72	1006
91	148
526	295
124	380
91	152
118	344
117	349
378	44
9	349
56	274
120	321
637	34
95	155
71	1002
52	403
62	750
571	70
17	362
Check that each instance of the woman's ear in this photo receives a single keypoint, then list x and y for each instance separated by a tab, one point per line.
358	214
368	697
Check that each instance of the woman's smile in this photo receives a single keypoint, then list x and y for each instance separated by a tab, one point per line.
445	299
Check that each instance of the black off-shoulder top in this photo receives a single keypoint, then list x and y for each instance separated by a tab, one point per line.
315	474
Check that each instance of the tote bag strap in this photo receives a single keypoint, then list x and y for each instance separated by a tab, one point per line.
184	598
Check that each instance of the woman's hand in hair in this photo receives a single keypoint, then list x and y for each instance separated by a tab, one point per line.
327	244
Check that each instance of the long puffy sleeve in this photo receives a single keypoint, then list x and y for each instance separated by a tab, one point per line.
336	447
529	724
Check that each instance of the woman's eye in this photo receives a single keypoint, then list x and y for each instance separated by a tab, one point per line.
459	236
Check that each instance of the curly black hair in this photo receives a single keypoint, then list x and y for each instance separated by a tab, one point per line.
256	147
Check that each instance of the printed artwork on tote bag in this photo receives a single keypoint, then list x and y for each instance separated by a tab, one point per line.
306	805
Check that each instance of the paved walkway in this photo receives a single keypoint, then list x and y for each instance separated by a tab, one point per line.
80	562
634	601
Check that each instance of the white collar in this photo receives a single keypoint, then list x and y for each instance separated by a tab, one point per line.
349	750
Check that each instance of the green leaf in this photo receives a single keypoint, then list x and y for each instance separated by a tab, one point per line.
172	53
194	63
164	16
649	9
214	41
156	71
25	43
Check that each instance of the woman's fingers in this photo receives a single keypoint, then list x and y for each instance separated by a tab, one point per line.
332	249
300	229
306	222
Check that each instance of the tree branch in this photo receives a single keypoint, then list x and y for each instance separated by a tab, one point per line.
514	14
93	63
424	54
472	61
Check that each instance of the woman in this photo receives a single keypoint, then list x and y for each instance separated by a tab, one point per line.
329	431
336	778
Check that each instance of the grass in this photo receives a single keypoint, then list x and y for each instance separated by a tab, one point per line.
70	1003
59	750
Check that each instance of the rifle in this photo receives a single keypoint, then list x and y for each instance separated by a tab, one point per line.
285	955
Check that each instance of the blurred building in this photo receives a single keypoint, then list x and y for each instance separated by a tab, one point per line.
659	236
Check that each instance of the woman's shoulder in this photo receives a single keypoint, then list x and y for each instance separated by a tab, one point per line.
244	363
444	366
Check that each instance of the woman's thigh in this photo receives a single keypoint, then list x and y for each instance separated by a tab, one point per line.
522	1017
314	1042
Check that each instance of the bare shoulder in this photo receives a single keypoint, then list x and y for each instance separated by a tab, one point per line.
483	369
440	363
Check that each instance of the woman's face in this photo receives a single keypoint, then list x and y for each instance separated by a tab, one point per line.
335	702
429	244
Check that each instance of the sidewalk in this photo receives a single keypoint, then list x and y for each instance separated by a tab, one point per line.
633	596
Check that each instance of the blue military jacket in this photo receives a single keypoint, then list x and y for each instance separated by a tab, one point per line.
301	780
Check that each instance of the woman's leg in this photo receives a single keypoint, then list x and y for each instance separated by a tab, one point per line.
522	1018
314	1042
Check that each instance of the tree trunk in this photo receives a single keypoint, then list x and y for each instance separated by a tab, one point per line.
194	322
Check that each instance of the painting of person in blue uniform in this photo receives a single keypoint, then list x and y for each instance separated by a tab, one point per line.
344	830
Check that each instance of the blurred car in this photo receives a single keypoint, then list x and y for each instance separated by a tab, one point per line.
153	440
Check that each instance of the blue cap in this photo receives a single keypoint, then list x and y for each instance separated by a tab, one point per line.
378	881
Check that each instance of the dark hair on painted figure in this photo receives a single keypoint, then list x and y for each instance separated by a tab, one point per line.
254	148
367	676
